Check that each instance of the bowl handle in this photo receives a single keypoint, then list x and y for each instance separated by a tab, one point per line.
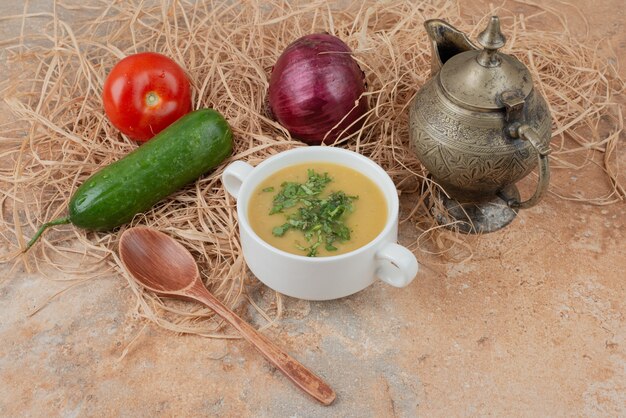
397	265
234	175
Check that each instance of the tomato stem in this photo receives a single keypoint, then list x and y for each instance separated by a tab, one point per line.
152	99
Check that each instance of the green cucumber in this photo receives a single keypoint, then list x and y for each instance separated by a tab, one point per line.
190	147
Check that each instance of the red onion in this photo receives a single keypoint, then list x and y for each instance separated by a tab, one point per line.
316	90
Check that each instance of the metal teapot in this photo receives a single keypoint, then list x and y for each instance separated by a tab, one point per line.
479	126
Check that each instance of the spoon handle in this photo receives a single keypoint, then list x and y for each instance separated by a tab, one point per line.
292	368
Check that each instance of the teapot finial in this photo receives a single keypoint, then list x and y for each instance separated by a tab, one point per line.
491	39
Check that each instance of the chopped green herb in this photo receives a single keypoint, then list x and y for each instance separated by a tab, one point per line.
292	193
279	231
320	219
268	189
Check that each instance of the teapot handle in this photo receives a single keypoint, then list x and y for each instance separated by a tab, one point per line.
543	150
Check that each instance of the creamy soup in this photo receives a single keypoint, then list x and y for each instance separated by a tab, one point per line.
317	209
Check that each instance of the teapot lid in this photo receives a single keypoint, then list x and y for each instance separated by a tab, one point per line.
476	79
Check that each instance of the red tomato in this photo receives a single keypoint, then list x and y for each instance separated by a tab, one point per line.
145	93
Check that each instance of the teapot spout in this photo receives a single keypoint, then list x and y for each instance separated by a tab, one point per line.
446	42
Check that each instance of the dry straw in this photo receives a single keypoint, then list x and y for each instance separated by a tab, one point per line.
60	134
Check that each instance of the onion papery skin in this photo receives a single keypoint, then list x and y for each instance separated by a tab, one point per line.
316	83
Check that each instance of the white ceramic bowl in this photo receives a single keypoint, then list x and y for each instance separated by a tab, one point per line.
321	278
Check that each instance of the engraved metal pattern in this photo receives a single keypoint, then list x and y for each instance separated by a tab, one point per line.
467	152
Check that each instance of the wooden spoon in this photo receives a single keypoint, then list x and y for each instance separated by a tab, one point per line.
162	265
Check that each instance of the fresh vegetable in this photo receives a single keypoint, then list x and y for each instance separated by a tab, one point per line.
321	219
145	93
316	90
190	147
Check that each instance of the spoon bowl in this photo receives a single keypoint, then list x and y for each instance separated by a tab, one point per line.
156	261
161	264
